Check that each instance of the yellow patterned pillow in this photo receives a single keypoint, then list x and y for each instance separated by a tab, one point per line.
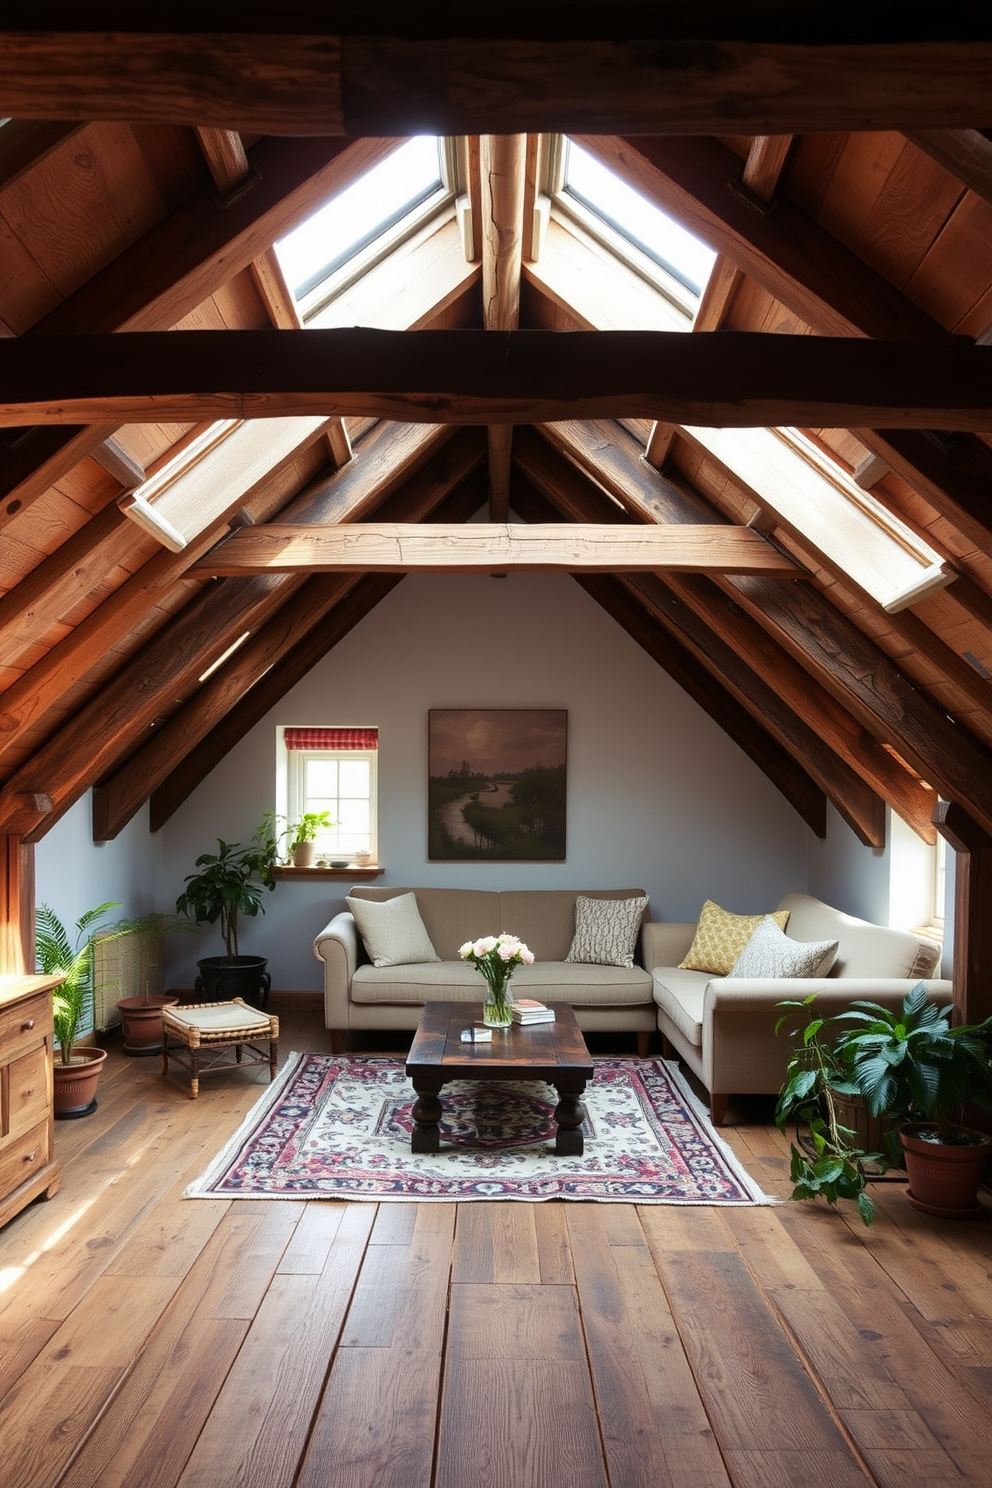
720	937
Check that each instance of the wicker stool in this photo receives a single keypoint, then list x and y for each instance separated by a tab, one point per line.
219	1026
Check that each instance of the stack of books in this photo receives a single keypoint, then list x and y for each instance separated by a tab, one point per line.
526	1010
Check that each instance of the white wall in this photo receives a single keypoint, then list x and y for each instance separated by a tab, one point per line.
658	796
74	874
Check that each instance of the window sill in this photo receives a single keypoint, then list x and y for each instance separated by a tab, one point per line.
288	870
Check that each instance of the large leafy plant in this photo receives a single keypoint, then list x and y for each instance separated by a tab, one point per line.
57	955
910	1063
230	883
820	1080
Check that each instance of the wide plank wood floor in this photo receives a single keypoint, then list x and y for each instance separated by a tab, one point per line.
147	1339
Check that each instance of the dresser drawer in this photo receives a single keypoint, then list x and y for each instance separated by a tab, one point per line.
22	1156
29	1090
25	1024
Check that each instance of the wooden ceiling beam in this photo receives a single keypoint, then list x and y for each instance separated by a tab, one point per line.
25	143
773	723
820	280
481	547
768	672
175	267
502	168
389	456
465	499
117	799
112	457
634	69
727	381
766	160
965	153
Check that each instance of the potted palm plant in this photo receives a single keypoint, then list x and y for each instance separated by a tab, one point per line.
229	884
913	1065
77	1066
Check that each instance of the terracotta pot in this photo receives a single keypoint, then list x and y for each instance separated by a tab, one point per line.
142	1021
944	1177
305	854
75	1083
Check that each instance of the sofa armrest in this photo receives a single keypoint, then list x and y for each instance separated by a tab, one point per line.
665	943
340	948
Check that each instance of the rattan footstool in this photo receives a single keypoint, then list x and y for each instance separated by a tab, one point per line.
220	1027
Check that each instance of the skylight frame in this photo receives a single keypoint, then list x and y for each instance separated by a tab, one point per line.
430	207
575	208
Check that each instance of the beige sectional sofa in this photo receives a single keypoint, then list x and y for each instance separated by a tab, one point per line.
359	995
723	1027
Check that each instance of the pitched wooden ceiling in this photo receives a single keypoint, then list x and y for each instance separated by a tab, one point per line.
143	181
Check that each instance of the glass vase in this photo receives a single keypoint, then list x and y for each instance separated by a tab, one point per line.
496	1007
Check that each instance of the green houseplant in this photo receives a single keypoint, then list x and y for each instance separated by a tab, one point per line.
302	836
912	1064
819	1085
77	1067
229	884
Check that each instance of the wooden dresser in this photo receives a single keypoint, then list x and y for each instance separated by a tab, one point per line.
27	1128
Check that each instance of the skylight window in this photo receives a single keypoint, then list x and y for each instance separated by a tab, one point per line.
638	222
369	214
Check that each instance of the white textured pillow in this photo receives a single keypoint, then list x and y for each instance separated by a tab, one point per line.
771	953
606	930
393	932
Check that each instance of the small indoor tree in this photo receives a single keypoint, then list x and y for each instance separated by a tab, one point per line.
57	955
230	883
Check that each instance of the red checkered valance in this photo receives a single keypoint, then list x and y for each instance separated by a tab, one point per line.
332	738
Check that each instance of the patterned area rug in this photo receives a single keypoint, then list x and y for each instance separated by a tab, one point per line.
339	1128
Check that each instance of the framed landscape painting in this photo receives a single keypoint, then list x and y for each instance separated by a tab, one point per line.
496	784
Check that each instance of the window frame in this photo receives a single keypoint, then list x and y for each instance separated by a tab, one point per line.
292	801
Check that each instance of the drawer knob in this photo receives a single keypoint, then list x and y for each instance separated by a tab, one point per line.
29	1157
26	1027
27	1092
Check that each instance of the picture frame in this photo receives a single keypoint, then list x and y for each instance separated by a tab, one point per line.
496	787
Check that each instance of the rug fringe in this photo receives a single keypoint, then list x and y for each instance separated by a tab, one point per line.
198	1188
730	1157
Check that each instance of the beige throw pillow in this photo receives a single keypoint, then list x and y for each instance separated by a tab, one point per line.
606	930
771	953
721	936
393	932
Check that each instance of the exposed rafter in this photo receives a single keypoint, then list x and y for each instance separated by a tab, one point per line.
498	377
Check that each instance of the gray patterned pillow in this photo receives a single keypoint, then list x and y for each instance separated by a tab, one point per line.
771	953
606	930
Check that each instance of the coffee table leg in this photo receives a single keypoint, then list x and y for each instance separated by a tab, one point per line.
570	1114
426	1134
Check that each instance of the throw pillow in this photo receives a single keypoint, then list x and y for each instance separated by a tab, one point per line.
606	930
393	932
770	953
720	937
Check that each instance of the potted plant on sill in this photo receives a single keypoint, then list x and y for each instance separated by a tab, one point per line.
77	1066
229	884
141	1013
911	1064
302	836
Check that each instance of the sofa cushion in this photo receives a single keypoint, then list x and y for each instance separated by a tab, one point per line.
606	930
680	994
772	953
721	936
451	916
864	950
548	981
393	931
545	918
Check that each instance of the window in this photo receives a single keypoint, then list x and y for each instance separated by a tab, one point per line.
332	770
364	222
652	242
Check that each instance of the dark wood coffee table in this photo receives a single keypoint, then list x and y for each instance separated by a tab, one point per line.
555	1052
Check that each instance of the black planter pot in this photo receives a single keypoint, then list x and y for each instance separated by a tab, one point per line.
220	980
